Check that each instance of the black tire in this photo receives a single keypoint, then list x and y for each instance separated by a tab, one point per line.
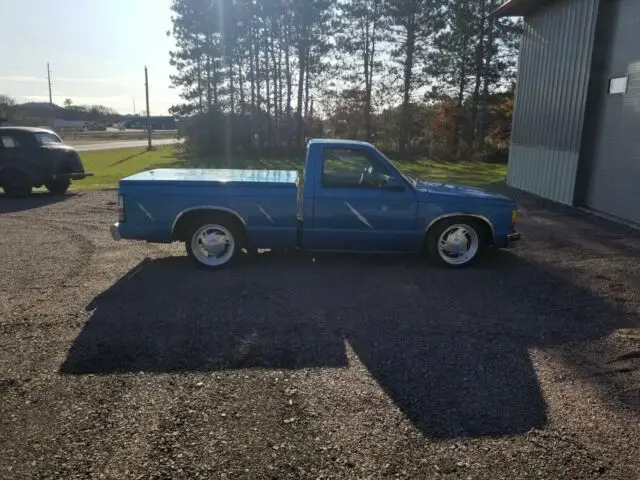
17	184
222	227
58	187
474	234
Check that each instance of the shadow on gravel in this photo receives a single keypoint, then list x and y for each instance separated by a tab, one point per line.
36	200
450	348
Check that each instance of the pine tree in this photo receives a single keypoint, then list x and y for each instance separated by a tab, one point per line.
411	26
362	24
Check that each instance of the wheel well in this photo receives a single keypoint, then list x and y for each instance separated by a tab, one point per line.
188	219
484	227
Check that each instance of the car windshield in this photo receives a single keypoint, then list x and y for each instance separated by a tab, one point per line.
45	137
411	180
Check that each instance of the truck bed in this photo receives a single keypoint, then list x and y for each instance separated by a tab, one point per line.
264	200
194	177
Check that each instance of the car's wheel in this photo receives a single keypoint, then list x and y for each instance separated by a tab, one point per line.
213	243
455	242
59	186
17	184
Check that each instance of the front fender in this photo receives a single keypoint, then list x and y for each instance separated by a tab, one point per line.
497	218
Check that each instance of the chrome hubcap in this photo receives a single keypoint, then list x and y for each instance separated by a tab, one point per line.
213	245
458	244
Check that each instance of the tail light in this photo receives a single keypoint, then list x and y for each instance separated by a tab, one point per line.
121	216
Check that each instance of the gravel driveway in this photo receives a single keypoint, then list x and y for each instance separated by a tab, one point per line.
121	360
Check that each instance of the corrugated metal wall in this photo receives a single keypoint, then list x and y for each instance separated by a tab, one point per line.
611	155
553	78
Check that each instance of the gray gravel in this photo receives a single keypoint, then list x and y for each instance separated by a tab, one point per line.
122	360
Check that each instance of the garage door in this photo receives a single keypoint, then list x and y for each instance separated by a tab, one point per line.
614	180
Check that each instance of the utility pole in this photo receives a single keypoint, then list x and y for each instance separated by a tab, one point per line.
134	106
49	80
146	91
50	97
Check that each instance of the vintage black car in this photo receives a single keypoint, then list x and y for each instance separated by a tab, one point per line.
31	157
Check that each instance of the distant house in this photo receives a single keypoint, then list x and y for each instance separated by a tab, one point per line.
576	123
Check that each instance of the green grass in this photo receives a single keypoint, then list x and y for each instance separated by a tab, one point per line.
109	166
477	174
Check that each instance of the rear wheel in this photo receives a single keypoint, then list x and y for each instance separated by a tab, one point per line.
59	186
17	184
213	243
455	243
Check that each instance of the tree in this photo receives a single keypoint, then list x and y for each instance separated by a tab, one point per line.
263	74
8	109
68	102
472	53
450	63
411	24
311	32
362	26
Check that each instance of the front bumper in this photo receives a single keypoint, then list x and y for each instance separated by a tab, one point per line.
513	238
115	231
72	176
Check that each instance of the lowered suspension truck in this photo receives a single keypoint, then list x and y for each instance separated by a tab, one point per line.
352	199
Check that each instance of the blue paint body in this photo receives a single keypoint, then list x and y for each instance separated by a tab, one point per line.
279	212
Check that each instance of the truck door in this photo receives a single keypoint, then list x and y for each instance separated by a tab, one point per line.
357	207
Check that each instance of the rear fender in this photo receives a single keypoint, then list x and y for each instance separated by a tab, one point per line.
185	215
26	170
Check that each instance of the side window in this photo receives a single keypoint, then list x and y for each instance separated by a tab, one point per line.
9	141
44	138
351	168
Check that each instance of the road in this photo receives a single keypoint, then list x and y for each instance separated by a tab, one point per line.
107	145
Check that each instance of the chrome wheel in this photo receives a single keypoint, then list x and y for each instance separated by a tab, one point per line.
213	245
458	244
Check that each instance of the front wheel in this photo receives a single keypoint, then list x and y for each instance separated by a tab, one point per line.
454	243
58	187
213	244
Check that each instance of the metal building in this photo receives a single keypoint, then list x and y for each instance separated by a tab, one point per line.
576	127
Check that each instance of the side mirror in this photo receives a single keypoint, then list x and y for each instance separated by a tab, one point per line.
394	185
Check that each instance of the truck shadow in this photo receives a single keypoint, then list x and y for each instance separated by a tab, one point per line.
450	348
35	200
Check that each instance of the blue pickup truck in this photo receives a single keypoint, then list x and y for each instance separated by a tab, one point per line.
351	198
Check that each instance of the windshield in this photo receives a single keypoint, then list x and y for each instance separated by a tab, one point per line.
411	180
46	137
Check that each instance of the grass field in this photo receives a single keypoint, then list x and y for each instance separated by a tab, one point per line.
109	166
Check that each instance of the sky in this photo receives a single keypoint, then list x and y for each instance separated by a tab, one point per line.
97	50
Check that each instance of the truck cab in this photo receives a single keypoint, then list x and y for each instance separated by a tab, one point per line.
350	198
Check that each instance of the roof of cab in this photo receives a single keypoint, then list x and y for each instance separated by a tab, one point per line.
25	129
338	141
